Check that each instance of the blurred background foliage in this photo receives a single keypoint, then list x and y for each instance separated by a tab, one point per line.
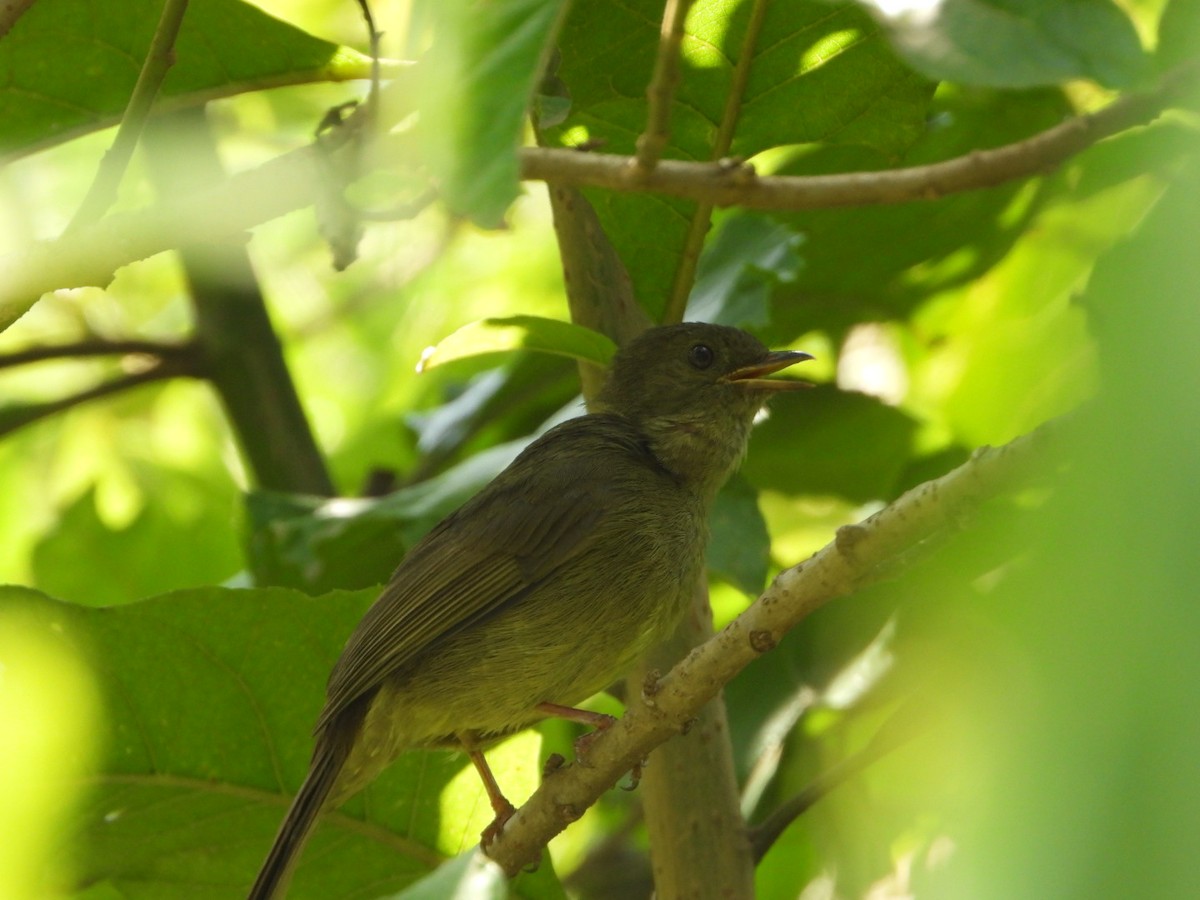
1042	654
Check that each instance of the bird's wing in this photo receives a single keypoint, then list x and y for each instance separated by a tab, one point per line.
537	515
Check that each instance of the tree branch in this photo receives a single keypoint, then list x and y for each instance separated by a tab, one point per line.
217	208
600	295
699	845
95	347
159	59
661	90
246	366
90	255
724	184
858	556
180	365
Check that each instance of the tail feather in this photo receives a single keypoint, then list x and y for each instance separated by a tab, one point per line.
334	742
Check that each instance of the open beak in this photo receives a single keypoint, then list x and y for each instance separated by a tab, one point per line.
755	376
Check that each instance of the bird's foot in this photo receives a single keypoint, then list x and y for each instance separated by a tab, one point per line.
584	742
504	812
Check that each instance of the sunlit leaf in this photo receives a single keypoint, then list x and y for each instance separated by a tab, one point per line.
52	715
521	333
470	874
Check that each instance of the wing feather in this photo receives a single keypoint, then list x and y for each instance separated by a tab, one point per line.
517	532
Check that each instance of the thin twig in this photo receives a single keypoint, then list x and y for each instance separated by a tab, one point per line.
661	90
159	59
373	37
12	419
855	559
93	347
689	257
900	728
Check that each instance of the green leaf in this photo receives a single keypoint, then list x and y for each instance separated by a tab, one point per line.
318	544
497	405
1015	43
814	75
826	441
740	546
861	263
521	333
69	66
183	518
211	695
479	82
749	257
1178	33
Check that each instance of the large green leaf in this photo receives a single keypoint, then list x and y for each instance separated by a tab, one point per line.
211	695
740	544
812	75
868	262
184	519
826	441
68	66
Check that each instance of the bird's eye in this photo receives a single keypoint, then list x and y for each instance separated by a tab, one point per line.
701	356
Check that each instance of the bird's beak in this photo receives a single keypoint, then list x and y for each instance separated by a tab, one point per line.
753	376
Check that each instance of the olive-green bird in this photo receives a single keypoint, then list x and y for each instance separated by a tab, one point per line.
545	587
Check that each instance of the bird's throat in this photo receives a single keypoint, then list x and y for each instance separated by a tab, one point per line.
700	454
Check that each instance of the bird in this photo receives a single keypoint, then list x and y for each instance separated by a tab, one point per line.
546	586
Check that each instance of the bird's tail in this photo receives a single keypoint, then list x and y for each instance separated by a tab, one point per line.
328	758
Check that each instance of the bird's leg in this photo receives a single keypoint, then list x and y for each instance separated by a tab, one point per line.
500	805
599	721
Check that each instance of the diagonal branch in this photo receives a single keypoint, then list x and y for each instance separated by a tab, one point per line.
860	555
177	366
94	347
159	59
901	727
